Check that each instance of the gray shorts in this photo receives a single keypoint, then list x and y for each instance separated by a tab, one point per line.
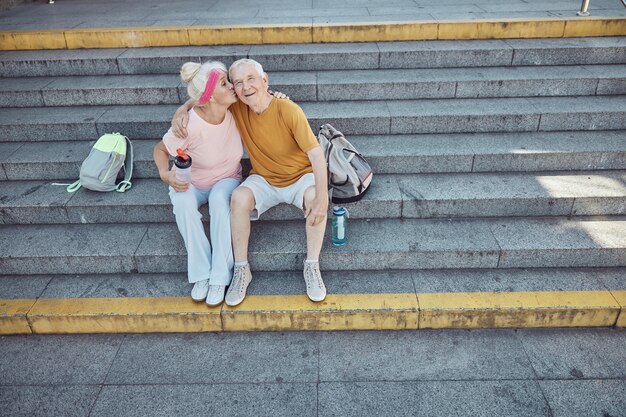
267	196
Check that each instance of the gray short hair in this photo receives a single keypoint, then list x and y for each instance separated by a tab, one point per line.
243	61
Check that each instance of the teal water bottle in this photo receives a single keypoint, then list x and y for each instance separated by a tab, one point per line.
339	226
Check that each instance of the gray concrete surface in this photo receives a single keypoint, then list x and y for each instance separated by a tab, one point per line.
548	372
70	249
128	89
505	115
567	51
337	282
65	62
347	85
54	124
398	154
376	244
577	246
49	160
81	13
586	398
320	57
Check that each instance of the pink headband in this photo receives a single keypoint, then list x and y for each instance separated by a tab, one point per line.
210	87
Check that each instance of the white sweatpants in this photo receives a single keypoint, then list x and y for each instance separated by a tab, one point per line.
206	260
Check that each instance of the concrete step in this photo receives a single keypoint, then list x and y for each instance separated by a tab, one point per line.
356	117
387	154
378	84
377	244
119	285
393	299
515	81
307	57
391	196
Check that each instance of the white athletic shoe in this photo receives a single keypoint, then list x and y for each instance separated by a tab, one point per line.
215	295
200	290
315	288
237	289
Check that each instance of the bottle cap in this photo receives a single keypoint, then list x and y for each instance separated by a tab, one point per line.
339	211
183	160
182	154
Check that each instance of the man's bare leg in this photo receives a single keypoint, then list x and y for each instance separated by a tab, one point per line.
314	234
315	288
241	204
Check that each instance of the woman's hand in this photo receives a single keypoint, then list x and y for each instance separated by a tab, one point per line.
169	177
161	160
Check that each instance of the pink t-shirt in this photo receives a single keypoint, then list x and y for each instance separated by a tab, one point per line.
215	150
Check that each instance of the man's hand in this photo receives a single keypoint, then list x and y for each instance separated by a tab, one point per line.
181	118
317	212
169	177
278	94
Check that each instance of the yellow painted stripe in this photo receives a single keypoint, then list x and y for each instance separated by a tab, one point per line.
597	26
7	42
336	312
318	32
297	312
502	28
13	316
374	32
287	34
520	28
620	296
458	30
126	37
123	315
225	35
517	309
39	39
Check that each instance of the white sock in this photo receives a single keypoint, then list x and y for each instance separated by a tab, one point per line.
241	263
311	261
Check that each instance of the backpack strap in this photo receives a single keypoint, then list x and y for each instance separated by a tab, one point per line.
73	187
326	157
125	184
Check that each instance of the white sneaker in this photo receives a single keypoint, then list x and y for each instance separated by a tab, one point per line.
237	289
200	290
215	295
315	288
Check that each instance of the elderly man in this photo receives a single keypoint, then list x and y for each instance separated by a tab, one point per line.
288	166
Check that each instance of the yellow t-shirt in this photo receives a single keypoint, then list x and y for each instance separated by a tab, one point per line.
277	140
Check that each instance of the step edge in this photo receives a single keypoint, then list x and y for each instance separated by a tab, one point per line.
314	32
596	308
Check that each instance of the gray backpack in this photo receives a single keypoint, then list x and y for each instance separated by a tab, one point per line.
349	174
100	169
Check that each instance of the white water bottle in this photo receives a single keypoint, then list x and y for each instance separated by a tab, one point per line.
183	166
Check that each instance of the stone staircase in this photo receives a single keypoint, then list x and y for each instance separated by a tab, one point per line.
500	168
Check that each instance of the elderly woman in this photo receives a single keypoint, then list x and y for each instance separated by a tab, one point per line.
214	145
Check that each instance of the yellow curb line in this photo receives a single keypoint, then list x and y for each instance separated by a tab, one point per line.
518	309
312	33
337	312
123	315
620	296
13	316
